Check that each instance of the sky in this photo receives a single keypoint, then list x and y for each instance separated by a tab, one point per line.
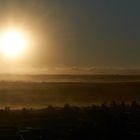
75	36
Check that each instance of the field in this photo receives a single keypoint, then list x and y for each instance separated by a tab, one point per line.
41	94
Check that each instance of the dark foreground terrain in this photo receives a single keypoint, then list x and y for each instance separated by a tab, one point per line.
73	115
105	122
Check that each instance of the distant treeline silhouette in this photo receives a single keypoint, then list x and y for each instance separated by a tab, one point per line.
113	121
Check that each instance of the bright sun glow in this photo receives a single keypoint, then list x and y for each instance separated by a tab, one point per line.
13	43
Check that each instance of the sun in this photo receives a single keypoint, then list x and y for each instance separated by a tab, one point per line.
13	43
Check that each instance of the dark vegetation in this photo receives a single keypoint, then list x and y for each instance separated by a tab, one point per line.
114	121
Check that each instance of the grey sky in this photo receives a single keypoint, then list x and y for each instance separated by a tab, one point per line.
79	33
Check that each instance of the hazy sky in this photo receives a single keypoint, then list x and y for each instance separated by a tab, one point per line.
77	33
